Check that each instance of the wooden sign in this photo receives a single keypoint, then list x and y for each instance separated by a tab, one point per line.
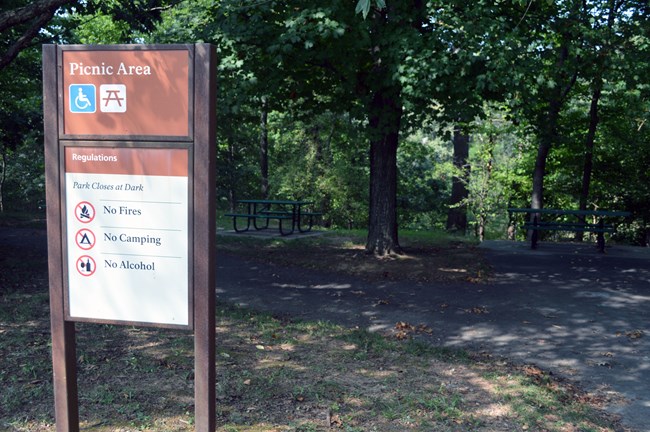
130	181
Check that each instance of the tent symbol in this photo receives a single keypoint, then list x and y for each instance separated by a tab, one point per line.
85	239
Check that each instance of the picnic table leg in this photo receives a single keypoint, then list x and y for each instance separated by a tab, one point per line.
600	238
533	237
309	227
234	224
299	220
282	230
293	221
300	225
255	219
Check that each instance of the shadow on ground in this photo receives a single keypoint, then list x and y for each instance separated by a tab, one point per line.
563	307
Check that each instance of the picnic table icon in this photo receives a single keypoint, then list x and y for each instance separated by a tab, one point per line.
113	98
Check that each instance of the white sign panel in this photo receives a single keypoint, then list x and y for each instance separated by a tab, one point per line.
127	234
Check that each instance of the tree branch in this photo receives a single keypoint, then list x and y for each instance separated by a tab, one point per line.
18	16
12	52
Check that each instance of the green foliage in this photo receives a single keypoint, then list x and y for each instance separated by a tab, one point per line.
21	156
321	160
425	168
101	29
312	66
133	16
496	158
24	188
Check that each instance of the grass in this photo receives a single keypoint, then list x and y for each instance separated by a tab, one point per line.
273	375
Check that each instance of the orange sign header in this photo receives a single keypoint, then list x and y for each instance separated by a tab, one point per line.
131	161
143	92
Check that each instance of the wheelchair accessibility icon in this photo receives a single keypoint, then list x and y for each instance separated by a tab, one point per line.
82	98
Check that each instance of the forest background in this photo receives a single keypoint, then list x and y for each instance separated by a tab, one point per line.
387	114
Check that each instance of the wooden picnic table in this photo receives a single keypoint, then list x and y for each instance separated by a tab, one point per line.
281	210
539	222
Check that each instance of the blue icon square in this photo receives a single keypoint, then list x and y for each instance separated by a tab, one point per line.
82	98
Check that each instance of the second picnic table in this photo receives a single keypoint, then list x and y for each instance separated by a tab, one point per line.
289	211
599	228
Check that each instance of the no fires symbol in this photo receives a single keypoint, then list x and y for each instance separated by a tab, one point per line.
84	212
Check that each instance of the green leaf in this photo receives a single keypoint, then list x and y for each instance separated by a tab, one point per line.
363	7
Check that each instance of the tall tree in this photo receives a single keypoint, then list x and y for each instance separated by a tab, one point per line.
543	66
608	31
565	44
386	69
385	110
563	73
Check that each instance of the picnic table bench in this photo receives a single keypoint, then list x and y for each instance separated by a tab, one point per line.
284	211
599	228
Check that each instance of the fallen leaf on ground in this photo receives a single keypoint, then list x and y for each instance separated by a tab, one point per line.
634	334
477	310
404	329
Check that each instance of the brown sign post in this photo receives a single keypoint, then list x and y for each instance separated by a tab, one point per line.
130	184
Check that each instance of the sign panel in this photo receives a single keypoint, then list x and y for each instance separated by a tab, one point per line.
127	234
126	93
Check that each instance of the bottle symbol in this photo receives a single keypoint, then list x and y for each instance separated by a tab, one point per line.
87	266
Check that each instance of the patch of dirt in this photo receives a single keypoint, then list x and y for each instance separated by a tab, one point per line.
445	263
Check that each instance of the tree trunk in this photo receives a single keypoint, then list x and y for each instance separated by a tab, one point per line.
385	119
597	89
537	199
482	199
549	124
482	222
385	116
547	137
232	194
3	171
264	150
457	214
589	148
